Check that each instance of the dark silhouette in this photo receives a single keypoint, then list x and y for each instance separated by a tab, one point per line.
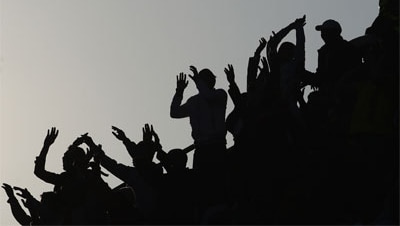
75	185
330	160
206	112
144	177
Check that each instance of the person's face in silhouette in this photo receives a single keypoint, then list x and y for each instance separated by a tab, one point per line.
329	35
144	154
73	158
286	51
177	159
67	162
207	78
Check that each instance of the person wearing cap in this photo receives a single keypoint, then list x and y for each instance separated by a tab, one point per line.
206	111
335	57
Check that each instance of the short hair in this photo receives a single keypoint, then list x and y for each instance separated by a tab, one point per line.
208	77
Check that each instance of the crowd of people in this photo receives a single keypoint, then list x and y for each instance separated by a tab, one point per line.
330	159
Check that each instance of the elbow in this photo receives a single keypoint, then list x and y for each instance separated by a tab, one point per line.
173	114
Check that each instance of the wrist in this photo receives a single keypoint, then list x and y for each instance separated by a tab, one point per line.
12	200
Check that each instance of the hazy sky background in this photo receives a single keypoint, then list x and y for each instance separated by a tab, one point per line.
85	65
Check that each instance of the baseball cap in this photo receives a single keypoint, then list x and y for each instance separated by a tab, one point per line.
329	25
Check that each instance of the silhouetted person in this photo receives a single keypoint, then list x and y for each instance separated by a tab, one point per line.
335	57
144	177
206	111
177	204
122	208
74	184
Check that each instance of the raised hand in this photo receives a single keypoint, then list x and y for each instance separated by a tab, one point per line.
300	22
51	136
195	73
265	67
23	193
156	138
118	133
181	82
260	47
9	190
230	73
80	140
147	133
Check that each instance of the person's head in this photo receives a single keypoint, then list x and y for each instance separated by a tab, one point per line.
143	153
330	30
177	159
207	77
124	197
286	51
74	158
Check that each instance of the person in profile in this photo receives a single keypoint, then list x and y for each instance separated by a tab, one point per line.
335	57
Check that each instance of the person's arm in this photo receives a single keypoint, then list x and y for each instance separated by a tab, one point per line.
300	43
252	67
40	162
120	135
178	110
16	209
264	71
272	46
30	202
119	170
234	91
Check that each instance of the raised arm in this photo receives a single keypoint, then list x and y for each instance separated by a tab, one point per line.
252	67
40	162
272	45
16	209
119	170
29	202
178	110
120	135
300	43
234	91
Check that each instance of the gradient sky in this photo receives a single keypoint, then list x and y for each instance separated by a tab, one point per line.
85	65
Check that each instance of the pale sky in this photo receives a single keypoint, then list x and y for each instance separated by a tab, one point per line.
85	65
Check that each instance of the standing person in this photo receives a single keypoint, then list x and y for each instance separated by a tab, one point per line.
206	111
335	57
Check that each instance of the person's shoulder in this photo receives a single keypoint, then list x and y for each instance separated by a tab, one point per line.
193	98
322	49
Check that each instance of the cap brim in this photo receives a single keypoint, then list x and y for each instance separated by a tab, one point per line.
318	27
